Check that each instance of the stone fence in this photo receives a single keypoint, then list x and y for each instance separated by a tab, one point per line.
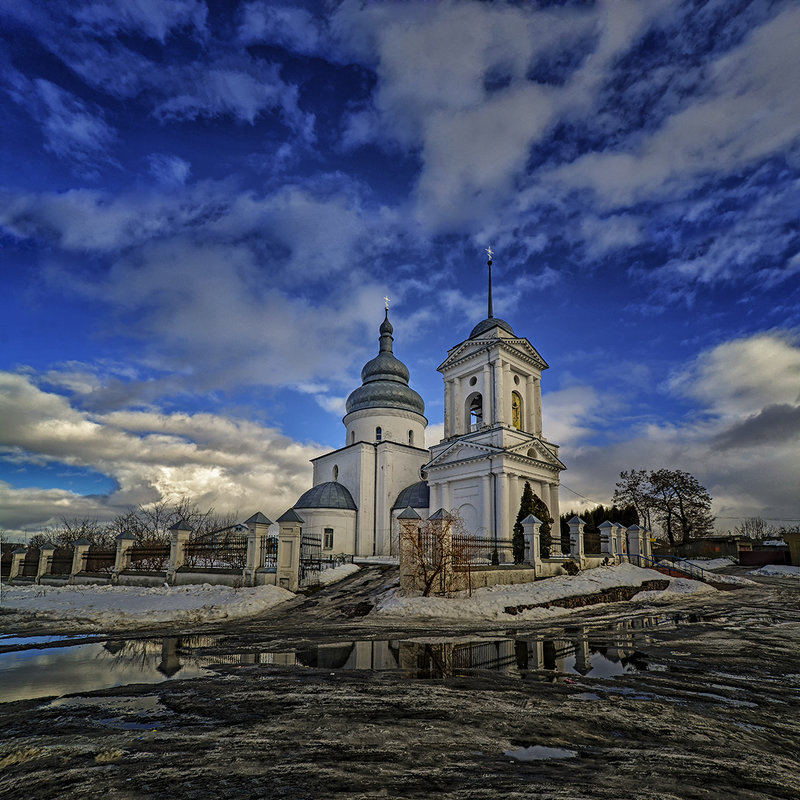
432	561
244	555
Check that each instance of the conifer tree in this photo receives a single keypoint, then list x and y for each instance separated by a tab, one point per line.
531	503
518	537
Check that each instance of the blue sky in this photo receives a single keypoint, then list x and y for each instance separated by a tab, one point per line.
202	205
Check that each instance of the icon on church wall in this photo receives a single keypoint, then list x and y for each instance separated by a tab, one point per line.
516	411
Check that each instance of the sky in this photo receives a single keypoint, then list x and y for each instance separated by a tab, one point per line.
203	203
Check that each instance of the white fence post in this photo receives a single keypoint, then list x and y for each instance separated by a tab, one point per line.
607	540
124	543
45	558
288	572
180	533
81	549
576	548
531	526
17	560
409	521
258	529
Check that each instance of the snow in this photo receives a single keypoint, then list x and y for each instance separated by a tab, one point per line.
135	606
389	561
490	603
777	571
711	563
337	573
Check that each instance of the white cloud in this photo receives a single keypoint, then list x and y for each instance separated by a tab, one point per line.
295	28
230	464
153	18
169	169
741	443
750	109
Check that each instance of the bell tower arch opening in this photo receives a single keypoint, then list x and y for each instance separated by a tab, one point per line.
474	411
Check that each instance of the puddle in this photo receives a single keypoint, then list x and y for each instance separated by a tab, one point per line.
540	753
32	669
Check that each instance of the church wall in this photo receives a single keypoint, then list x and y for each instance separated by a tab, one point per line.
395	426
343	522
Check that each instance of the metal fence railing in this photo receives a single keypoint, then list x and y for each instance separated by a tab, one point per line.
61	561
268	556
99	559
148	557
221	550
475	552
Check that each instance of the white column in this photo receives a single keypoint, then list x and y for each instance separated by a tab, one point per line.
486	500
488	403
529	420
457	423
537	400
503	527
506	387
435	504
448	408
445	499
499	405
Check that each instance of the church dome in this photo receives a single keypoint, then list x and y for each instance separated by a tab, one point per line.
327	495
418	495
486	325
384	380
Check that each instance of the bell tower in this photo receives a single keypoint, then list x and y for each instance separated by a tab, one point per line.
493	439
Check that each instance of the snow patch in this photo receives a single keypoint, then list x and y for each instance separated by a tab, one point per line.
777	571
337	573
491	602
136	606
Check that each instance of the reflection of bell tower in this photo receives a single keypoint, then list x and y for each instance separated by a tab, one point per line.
493	440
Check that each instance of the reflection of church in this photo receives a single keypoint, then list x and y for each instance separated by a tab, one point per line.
493	443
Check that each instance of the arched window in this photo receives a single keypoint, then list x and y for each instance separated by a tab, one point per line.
516	410
411	437
378	434
335	472
474	408
352	437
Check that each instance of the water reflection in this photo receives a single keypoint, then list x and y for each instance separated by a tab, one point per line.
31	672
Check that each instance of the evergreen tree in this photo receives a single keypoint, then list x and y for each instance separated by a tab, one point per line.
518	537
541	511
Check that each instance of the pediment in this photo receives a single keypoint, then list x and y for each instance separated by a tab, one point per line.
460	451
541	452
470	348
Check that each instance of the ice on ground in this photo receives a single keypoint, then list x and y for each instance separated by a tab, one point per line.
136	606
491	602
337	573
777	571
711	563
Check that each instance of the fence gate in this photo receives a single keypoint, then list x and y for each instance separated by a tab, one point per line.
310	559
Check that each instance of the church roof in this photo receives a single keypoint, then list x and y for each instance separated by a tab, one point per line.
418	495
486	325
327	495
384	380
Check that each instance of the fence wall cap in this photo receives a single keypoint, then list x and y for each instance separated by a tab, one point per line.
123	537
634	528
440	514
408	513
82	541
19	550
606	524
180	525
48	546
531	519
576	519
290	516
259	518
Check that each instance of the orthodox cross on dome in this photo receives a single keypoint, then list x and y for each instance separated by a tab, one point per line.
386	301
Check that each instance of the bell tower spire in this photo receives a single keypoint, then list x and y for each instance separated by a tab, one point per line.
489	262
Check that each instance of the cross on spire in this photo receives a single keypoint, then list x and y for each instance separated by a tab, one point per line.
386	301
489	252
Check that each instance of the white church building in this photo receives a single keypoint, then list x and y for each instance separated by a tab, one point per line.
493	442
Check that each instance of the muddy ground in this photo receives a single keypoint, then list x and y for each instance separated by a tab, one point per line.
711	709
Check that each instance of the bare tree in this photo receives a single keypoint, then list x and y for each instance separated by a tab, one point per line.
673	499
755	528
441	552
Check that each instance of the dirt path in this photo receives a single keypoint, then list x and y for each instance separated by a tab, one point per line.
712	711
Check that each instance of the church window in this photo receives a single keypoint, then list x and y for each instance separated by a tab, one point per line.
516	411
327	541
335	472
378	434
473	380
475	411
516	380
411	437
